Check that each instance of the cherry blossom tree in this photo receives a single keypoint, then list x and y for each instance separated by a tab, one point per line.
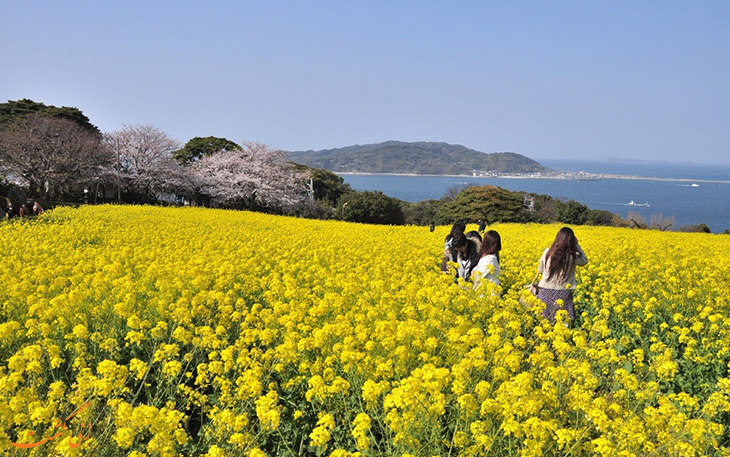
256	176
146	163
53	156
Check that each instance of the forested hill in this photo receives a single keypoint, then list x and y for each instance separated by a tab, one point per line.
426	158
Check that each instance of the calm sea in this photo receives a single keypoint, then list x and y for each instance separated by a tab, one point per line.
706	202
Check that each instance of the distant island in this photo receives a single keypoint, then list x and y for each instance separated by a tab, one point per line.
419	158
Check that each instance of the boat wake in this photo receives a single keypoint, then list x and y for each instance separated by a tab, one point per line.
631	203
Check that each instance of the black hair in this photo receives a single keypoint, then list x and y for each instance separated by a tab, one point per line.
458	240
458	227
474	234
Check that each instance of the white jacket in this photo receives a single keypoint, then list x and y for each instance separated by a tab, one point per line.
488	274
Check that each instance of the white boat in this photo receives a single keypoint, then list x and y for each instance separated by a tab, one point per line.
633	203
694	185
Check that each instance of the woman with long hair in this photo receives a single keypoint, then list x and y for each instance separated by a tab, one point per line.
557	266
488	266
449	252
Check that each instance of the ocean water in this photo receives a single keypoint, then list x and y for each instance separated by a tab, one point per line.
667	193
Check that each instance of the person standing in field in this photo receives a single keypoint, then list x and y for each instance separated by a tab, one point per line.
488	265
37	209
482	225
10	211
449	251
467	254
557	266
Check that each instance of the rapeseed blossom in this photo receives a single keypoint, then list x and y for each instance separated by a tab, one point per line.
210	333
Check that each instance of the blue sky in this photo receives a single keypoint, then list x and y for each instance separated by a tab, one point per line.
643	80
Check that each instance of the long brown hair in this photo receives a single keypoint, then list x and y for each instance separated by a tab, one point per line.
562	254
491	244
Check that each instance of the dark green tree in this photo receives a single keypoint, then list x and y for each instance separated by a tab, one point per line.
543	207
14	110
571	212
421	213
370	208
600	217
199	147
328	186
697	228
324	189
486	202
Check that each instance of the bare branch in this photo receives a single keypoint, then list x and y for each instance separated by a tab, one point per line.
52	155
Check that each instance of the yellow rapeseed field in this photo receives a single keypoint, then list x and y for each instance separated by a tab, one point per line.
145	331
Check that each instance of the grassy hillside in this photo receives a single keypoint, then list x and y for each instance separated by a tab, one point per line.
416	158
212	333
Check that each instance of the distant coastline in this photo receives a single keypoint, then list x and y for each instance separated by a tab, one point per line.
690	195
557	175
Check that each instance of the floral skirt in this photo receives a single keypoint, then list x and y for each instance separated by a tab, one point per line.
550	296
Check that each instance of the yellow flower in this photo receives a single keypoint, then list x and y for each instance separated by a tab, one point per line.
215	451
80	331
190	314
172	368
256	452
320	436
138	367
124	437
268	411
361	426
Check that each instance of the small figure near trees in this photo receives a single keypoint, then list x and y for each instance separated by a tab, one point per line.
24	211
10	210
37	209
482	225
